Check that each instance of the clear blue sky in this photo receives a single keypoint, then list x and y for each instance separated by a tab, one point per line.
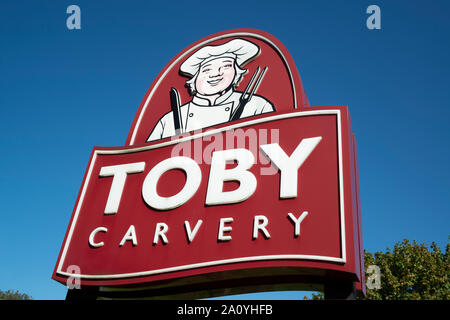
63	92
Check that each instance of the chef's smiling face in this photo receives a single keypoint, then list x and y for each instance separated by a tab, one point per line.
215	76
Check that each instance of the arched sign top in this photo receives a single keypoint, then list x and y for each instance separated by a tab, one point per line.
237	73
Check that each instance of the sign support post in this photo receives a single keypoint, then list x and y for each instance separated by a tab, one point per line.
84	293
340	290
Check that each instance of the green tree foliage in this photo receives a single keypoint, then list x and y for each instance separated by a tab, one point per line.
411	271
10	295
315	296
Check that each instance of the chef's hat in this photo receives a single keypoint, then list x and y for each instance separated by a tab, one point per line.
239	49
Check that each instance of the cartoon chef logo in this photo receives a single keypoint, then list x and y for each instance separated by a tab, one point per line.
214	72
232	75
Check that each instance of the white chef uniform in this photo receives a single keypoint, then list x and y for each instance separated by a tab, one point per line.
199	114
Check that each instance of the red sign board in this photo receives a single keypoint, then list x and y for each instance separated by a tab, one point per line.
196	191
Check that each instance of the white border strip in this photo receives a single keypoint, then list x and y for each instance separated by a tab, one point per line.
203	264
237	34
341	259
